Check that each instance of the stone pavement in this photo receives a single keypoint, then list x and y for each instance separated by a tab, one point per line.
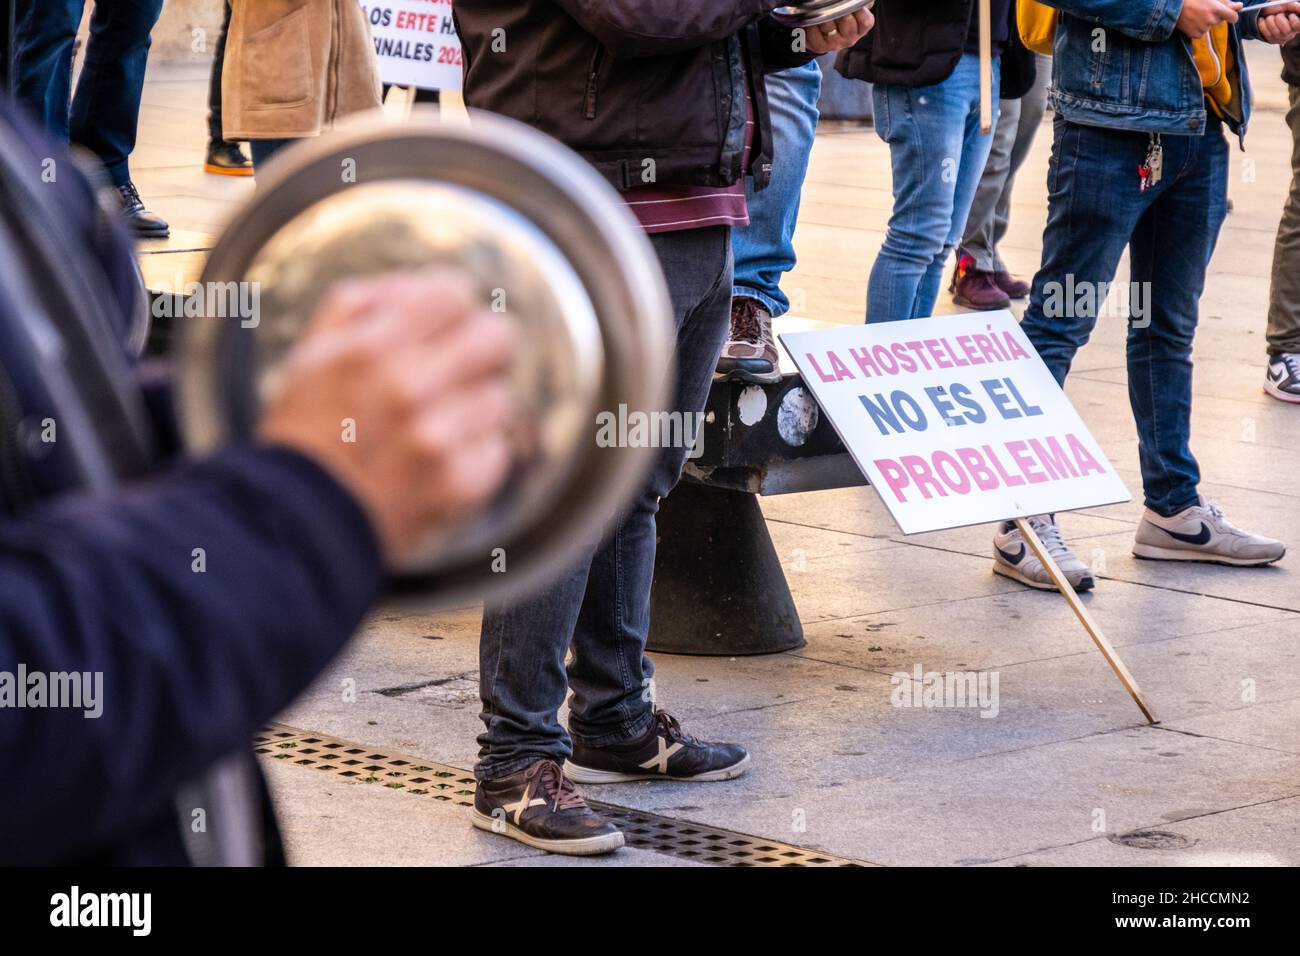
1064	769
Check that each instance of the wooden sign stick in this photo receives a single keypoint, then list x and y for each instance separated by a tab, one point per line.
1081	612
986	67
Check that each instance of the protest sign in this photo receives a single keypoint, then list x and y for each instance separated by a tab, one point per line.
416	43
955	420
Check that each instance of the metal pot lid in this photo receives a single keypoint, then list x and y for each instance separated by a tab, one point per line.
816	12
551	243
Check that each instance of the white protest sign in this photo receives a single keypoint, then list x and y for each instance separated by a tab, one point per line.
954	420
416	43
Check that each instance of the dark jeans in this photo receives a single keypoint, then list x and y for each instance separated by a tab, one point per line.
1095	209
215	136
601	607
106	107
264	149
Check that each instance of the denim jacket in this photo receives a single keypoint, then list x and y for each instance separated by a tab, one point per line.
1122	64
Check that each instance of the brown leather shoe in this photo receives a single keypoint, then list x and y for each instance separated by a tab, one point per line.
750	353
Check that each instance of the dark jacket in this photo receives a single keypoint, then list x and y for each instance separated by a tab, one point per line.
919	43
192	663
652	88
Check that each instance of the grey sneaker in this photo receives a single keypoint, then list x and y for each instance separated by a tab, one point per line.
750	353
1012	557
1282	380
1202	533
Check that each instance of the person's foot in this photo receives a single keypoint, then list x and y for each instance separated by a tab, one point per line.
146	224
664	753
1013	558
750	353
539	807
974	288
1202	533
1282	379
227	159
1013	286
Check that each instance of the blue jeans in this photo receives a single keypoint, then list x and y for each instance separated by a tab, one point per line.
765	250
601	606
938	154
105	111
1095	209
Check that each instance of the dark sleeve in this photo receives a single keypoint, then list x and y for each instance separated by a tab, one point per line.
196	648
637	28
782	49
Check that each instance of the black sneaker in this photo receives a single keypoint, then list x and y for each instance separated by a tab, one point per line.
665	753
539	807
145	223
1282	380
227	159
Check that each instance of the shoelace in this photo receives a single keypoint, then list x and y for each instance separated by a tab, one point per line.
1049	532
667	725
130	195
746	326
1291	360
547	777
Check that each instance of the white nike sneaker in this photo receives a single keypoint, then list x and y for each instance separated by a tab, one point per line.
1202	533
1012	557
1282	378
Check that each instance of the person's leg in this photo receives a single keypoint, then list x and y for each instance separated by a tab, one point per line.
264	149
1283	376
215	135
1033	105
978	240
106	107
602	605
223	158
609	672
618	732
970	165
1093	206
764	250
926	129
45	33
1170	252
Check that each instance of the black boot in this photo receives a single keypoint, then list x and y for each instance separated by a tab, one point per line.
146	224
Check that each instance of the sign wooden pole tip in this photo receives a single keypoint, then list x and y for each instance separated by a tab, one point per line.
1081	612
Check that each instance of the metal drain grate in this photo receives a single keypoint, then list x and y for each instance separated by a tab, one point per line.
644	831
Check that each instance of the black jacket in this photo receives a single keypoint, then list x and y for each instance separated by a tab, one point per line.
919	42
652	85
191	663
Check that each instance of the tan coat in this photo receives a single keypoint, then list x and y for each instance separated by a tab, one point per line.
293	67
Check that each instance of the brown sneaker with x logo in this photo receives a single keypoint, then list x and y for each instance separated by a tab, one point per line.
539	807
664	753
750	353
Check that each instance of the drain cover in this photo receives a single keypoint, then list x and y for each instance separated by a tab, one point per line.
643	830
1152	840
